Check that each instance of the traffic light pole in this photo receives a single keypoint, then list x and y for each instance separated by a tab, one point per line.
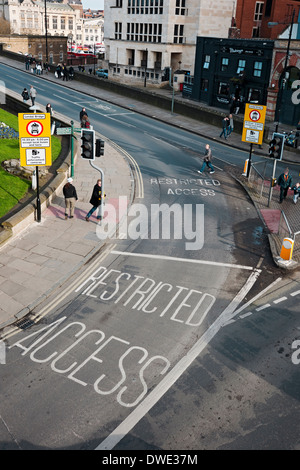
100	213
249	161
271	187
72	148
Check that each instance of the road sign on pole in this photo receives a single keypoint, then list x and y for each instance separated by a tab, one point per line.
35	139
254	122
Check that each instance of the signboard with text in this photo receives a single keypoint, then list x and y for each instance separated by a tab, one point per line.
254	122
35	139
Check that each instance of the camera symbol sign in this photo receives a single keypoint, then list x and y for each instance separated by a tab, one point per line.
34	128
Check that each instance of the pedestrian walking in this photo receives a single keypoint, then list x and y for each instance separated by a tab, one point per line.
207	160
39	69
70	195
231	125
82	113
71	73
49	109
33	94
237	106
85	122
25	95
285	183
96	200
232	105
225	125
296	190
65	72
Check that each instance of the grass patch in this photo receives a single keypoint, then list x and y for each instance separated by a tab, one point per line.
13	188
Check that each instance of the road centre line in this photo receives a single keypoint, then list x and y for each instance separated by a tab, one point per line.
165	384
277	301
183	260
262	307
295	293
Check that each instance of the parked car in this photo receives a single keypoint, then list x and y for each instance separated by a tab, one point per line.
102	73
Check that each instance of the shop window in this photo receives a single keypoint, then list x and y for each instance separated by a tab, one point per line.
223	89
254	95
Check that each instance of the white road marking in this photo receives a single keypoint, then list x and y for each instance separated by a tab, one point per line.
262	307
45	310
277	301
295	293
166	383
183	260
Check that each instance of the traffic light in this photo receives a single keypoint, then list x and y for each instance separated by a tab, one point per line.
88	144
99	148
276	146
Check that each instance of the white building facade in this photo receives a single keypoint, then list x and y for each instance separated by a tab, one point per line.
145	38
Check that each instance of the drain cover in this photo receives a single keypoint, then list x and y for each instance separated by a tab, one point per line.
24	323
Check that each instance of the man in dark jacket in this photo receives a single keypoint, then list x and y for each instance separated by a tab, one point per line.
95	200
285	183
70	195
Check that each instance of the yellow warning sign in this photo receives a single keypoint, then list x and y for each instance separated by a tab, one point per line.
254	123
35	139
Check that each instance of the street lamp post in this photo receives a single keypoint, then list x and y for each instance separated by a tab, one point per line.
283	81
46	31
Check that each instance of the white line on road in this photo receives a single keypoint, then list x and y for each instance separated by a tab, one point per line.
262	307
277	301
295	293
183	260
166	383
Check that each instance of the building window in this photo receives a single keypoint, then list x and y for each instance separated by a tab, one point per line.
118	30
256	32
254	95
54	22
257	69
70	22
178	34
204	84
206	62
180	7
224	64
258	11
241	66
223	89
142	7
62	22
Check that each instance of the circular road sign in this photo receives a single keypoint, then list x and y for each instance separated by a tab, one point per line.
34	128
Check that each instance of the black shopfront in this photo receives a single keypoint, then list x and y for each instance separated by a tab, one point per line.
227	68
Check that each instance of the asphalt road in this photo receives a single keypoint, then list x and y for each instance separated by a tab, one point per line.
166	341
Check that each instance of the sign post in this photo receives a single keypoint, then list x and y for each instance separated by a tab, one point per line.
253	127
35	145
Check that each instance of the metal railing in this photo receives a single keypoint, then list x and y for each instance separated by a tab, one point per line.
257	178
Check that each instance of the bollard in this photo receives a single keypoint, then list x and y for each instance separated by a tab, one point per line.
287	249
246	167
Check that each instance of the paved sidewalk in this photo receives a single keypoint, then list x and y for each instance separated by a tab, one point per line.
42	256
38	260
